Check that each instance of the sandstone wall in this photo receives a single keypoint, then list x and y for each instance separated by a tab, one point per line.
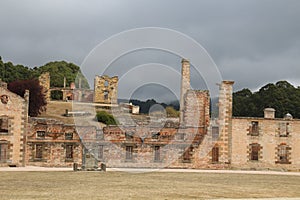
269	137
14	115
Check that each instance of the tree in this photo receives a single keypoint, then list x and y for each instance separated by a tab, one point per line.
282	96
59	70
37	100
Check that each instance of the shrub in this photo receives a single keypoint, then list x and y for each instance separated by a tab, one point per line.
106	118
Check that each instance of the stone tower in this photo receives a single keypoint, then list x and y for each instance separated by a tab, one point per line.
225	122
185	85
44	80
106	89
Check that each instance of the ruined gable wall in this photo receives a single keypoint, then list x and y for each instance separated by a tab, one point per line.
15	114
106	89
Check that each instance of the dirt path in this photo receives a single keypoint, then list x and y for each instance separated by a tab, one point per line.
135	170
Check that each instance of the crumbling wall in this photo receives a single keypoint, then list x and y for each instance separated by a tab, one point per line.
44	80
50	143
106	89
196	109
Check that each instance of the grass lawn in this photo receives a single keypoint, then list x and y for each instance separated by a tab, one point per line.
154	185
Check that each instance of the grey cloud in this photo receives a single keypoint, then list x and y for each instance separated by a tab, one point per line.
252	42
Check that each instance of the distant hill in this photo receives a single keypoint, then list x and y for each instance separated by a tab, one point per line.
146	105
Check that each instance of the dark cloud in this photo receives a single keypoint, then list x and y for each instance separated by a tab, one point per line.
252	42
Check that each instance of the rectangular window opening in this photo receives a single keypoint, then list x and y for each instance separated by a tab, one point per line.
129	151
254	130
39	151
4	125
69	151
3	152
41	134
69	136
255	151
215	154
157	153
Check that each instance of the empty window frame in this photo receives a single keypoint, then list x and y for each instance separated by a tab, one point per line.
215	154
283	154
254	151
39	151
3	152
105	95
69	136
3	124
284	129
69	151
156	153
254	129
40	134
129	152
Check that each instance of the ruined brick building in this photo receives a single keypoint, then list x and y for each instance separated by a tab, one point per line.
105	90
196	142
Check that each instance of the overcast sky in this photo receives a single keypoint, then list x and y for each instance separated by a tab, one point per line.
253	42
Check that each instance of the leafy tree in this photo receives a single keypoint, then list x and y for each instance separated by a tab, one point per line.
106	118
37	101
60	69
282	96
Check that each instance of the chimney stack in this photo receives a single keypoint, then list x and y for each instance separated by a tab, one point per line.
185	84
269	113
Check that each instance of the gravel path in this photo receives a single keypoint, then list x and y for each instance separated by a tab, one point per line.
136	170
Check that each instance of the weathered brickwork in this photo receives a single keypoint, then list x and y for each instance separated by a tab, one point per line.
196	109
13	121
106	89
44	80
271	137
50	143
185	84
224	121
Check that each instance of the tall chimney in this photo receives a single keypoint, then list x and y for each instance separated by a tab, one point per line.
185	84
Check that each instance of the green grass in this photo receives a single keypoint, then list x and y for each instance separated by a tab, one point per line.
155	185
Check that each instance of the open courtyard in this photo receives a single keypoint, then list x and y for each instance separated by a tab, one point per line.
149	185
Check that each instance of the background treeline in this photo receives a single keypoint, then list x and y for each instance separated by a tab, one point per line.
58	70
146	105
282	96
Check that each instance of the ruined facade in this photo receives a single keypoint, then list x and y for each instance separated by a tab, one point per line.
66	93
50	143
196	142
106	89
265	143
13	121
